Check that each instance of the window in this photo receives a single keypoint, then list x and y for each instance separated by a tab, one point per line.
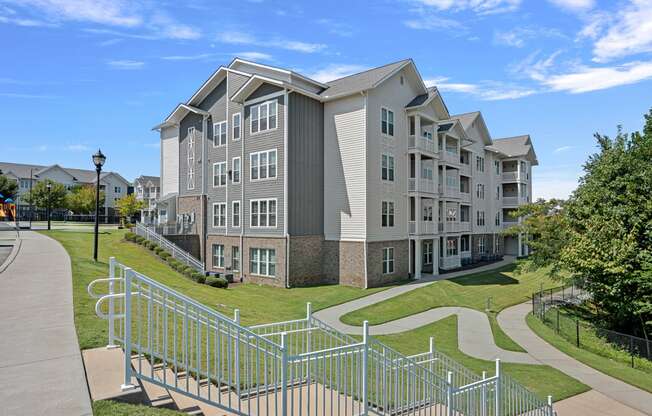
235	258
427	213
497	192
262	262
263	117
24	183
219	214
497	218
451	214
236	169
190	173
481	244
218	255
117	189
427	252
219	174
388	260
387	168
479	163
497	166
387	214
219	134
451	246
480	218
235	214
236	126
426	172
263	165
263	213
387	121
479	190
464	243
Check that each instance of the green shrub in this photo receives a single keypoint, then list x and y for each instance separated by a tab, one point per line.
139	239
187	270
164	255
158	250
130	236
217	282
174	263
198	277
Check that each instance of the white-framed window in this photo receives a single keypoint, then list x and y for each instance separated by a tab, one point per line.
479	163
235	258
218	256
479	191
219	174
237	168
497	192
464	243
480	218
427	213
262	213
117	189
263	117
427	252
497	167
262	165
481	244
426	172
190	172
387	121
451	214
262	262
387	168
219	214
235	214
219	133
451	246
236	125
387	214
388	260
497	218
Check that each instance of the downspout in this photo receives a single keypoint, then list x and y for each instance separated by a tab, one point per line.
285	188
226	191
203	186
243	171
366	277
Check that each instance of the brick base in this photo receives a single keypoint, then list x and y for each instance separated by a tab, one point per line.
343	262
306	253
375	275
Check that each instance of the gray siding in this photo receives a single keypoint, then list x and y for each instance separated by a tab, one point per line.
263	90
191	120
235	150
305	166
215	103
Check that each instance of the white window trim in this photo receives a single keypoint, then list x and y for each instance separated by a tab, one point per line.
233	127
239	170
239	214
268	178
190	147
270	227
393	261
213	255
226	132
393	122
238	257
264	103
273	276
225	174
226	215
393	206
388	155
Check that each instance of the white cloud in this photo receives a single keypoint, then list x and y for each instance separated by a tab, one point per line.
126	64
430	21
574	5
197	57
585	79
109	12
555	181
337	28
153	145
240	38
630	33
518	36
563	149
77	147
169	28
335	71
21	95
254	56
477	6
485	90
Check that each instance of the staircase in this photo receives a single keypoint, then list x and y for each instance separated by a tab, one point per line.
174	250
298	367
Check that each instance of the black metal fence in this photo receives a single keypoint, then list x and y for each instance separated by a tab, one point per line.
586	335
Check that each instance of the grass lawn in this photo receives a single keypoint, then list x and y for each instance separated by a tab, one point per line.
503	286
111	408
258	304
597	353
542	380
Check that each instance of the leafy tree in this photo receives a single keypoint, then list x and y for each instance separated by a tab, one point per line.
81	199
610	229
128	206
40	197
8	187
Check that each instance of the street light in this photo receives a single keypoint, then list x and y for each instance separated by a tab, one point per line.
49	186
98	161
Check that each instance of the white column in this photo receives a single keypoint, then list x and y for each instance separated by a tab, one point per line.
435	256
418	257
417	129
520	247
410	265
417	170
459	247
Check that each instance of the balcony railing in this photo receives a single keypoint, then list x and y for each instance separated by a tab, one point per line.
421	185
456	227
465	196
465	169
514	200
449	262
450	157
449	191
425	228
421	143
514	176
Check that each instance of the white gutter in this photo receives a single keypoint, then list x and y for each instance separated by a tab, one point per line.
285	187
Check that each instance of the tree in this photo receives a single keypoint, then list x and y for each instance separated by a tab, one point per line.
81	199
609	220
40	197
8	187
128	205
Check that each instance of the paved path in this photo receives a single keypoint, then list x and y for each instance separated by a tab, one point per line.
512	321
41	371
475	337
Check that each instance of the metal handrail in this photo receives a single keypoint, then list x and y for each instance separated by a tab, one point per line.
169	246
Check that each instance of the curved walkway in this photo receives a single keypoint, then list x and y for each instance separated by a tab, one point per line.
41	370
475	337
512	321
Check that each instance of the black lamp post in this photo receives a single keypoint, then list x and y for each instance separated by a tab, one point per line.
98	161
49	186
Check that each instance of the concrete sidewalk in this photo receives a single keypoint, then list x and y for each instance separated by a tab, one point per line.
512	321
41	370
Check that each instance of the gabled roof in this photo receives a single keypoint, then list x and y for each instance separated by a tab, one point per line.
467	119
286	72
155	180
453	126
22	170
516	146
366	80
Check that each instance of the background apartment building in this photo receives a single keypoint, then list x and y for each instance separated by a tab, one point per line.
363	180
148	190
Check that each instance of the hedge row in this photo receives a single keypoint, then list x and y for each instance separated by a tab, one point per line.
187	271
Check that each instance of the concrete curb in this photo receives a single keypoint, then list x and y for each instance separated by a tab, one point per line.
12	255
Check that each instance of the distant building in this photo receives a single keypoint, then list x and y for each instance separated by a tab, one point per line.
112	184
148	189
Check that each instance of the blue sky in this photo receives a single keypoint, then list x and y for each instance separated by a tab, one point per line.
78	75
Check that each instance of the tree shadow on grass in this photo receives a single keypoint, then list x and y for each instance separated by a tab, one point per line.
491	278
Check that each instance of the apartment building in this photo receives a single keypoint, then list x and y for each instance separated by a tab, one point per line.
148	190
112	184
363	180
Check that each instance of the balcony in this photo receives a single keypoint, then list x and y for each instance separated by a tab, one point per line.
449	191
421	185
425	228
514	176
465	197
465	169
422	144
449	262
455	227
450	157
508	224
514	201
